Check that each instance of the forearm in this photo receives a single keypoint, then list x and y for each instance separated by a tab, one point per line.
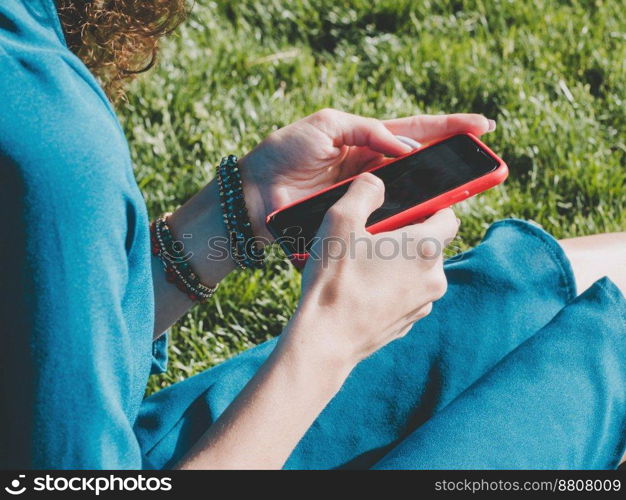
200	227
196	224
262	426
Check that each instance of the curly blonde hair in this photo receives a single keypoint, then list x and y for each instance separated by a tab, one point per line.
118	39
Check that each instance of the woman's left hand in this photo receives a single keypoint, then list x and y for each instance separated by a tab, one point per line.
329	146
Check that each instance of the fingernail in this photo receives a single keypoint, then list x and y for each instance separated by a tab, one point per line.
458	221
411	143
492	125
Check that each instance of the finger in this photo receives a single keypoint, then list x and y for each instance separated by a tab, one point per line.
403	331
426	128
432	235
410	319
442	226
365	194
417	314
359	160
346	129
413	144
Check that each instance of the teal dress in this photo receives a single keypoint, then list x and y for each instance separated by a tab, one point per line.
512	369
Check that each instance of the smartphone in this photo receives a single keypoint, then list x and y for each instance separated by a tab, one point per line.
417	185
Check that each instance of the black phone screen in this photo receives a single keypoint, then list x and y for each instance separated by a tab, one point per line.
410	181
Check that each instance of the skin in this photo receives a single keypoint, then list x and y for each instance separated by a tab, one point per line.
330	331
595	256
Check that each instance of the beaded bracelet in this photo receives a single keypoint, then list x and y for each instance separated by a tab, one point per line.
246	251
177	270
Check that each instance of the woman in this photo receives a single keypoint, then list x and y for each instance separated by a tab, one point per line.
522	363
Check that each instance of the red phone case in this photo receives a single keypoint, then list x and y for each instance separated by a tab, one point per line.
419	212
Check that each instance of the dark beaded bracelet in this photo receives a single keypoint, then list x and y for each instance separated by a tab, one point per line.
246	251
177	269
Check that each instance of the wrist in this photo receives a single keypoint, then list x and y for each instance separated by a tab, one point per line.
316	340
198	224
255	203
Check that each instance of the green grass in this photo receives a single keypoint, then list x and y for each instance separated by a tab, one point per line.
552	73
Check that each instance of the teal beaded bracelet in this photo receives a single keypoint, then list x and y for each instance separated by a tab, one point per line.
246	252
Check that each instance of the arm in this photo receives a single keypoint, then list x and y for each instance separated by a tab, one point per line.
265	422
200	217
69	360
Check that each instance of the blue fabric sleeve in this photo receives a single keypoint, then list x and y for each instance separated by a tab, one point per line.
76	305
159	354
67	381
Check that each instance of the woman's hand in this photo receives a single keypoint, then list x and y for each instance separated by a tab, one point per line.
367	291
329	146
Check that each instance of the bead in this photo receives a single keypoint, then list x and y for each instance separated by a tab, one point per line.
235	214
177	271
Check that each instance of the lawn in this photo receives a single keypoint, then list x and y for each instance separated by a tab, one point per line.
552	73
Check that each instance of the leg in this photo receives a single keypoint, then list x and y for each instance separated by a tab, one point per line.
556	402
593	257
500	293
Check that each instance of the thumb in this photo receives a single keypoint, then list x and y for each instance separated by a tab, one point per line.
365	194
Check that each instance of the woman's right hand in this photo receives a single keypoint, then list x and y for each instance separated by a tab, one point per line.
356	300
